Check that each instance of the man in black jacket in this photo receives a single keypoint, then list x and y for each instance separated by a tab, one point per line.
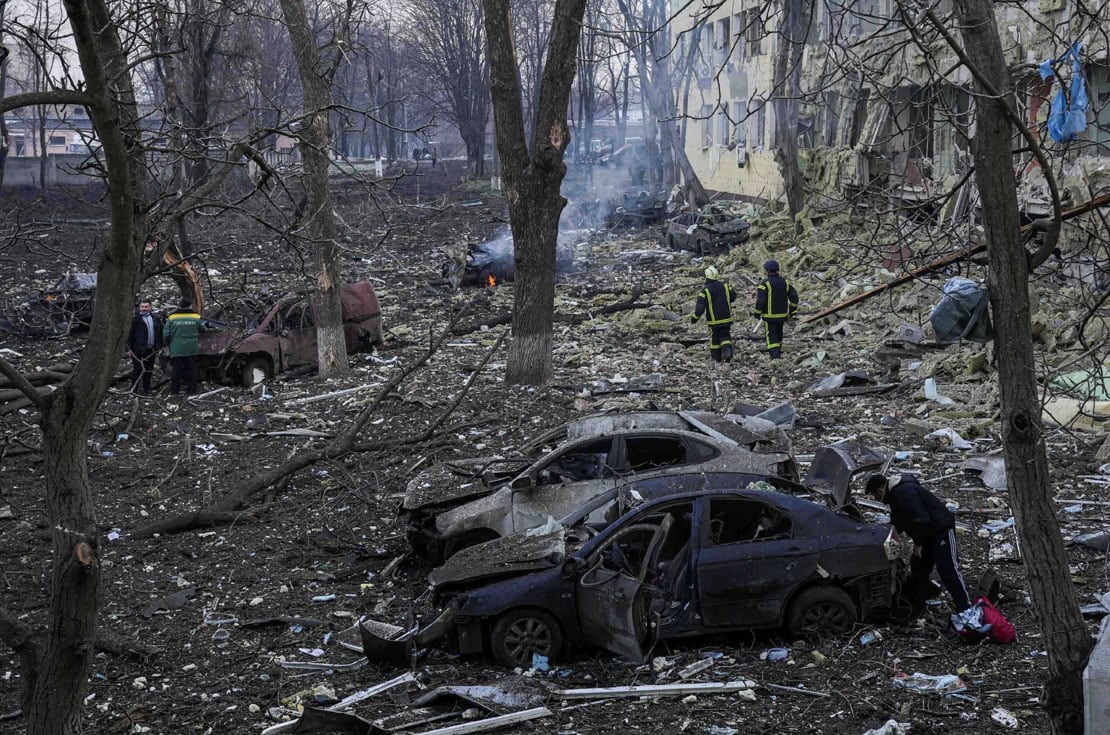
775	302
918	513
715	301
143	345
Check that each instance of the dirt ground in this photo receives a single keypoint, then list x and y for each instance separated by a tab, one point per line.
317	548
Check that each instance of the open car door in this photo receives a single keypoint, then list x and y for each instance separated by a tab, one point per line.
613	601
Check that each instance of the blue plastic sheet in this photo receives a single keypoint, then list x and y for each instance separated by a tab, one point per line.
1067	116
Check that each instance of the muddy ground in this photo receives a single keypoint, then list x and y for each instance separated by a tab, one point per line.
331	532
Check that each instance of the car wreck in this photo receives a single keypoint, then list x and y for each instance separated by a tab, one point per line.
634	208
283	337
677	566
709	231
464	502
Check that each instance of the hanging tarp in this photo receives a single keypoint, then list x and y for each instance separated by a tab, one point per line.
1067	117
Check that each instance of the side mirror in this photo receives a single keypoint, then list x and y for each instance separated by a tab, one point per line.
284	332
571	567
523	482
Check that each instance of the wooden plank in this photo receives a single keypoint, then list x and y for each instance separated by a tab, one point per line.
656	690
491	723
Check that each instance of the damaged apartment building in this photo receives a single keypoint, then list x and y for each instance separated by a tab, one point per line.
884	107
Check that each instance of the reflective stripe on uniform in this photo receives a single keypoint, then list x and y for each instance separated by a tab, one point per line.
711	317
767	337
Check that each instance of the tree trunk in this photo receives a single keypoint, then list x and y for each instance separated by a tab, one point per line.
57	682
788	69
1063	632
315	142
532	179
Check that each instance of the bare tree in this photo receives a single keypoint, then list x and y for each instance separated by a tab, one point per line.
449	45
315	137
648	43
55	661
1062	629
533	175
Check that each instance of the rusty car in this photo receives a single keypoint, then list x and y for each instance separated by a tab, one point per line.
283	337
681	565
464	502
706	232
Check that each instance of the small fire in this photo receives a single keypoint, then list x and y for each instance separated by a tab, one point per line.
491	281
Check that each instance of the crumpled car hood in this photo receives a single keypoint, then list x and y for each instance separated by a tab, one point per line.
458	479
543	547
727	228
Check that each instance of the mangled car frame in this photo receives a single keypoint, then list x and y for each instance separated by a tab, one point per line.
283	337
464	502
675	566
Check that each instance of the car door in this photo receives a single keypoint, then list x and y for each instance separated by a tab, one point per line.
563	480
299	345
750	562
683	236
611	595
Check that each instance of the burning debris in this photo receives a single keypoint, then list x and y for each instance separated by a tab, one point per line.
493	262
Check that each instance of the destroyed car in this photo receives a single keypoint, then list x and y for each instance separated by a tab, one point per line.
709	231
69	303
284	337
685	565
464	502
634	208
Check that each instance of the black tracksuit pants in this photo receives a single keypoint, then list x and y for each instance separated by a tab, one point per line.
939	551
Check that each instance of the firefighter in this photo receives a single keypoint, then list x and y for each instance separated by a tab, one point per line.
715	301
775	302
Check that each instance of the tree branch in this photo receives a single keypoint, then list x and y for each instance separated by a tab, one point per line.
52	97
24	386
22	641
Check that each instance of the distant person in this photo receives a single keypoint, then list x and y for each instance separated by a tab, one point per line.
181	334
715	301
143	345
919	514
775	302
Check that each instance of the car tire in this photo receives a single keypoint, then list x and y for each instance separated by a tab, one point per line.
821	611
454	545
522	632
253	367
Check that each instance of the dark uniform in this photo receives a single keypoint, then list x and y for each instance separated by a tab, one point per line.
919	514
775	302
715	301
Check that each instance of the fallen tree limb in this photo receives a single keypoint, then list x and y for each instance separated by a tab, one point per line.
939	263
506	318
344	444
193	521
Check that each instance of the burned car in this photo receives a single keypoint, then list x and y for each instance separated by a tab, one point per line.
684	565
709	231
461	503
284	337
634	208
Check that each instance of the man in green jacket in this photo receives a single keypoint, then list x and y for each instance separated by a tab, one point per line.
180	336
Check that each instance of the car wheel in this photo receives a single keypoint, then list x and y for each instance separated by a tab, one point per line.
520	633
471	538
256	369
821	611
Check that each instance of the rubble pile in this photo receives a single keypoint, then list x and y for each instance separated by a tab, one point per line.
258	641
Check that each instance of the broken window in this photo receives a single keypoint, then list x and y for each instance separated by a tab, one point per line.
585	462
706	126
649	452
754	31
1100	104
739	520
756	121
